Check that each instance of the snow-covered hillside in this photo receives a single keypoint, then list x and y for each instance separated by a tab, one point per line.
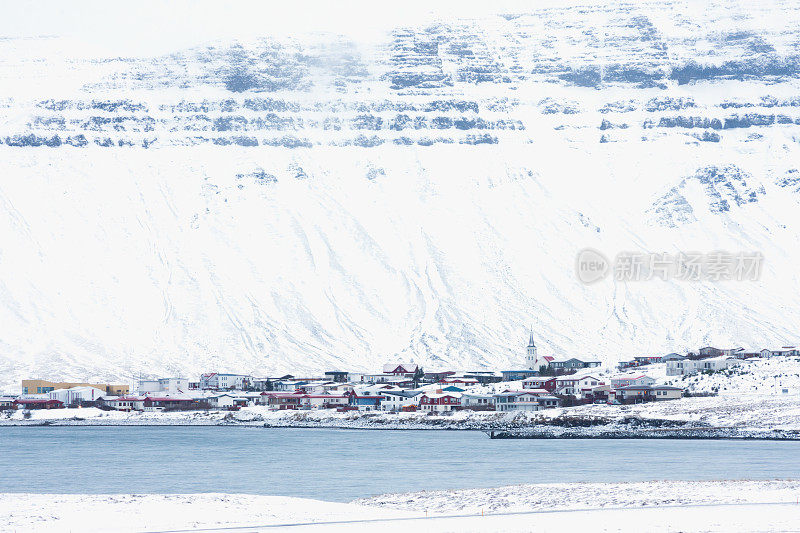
180	196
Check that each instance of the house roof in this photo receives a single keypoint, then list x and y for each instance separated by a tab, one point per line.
406	368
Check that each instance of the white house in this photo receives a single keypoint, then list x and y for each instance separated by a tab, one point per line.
322	401
518	401
681	367
396	400
623	380
567	385
473	400
225	401
125	403
587	384
217	381
76	395
716	364
166	385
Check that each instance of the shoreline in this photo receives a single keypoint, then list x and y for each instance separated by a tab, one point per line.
533	432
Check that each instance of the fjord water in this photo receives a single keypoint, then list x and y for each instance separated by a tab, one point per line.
340	465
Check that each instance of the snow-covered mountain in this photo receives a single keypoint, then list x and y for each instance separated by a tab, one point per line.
178	196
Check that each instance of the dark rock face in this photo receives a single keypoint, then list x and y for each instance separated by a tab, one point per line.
724	188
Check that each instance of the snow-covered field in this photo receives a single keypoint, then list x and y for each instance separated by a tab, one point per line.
277	194
664	506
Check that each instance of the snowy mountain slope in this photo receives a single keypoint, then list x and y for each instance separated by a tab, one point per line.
415	189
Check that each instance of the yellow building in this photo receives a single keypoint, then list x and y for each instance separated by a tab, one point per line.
40	386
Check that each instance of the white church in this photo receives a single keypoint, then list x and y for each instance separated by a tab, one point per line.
532	359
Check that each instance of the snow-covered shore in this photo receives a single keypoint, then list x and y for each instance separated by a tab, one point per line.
667	505
756	399
725	415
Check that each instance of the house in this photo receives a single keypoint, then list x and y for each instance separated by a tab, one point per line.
289	385
160	403
365	402
336	376
587	384
682	367
37	403
673	357
548	402
645	393
281	400
217	381
484	377
434	377
226	401
315	387
567	385
648	359
163	385
710	351
539	382
516	375
6	402
459	381
477	402
405	370
323	401
786	351
622	365
78	396
40	386
398	400
715	364
124	403
573	364
665	392
624	380
521	401
440	402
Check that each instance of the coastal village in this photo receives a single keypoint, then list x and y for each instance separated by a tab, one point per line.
545	382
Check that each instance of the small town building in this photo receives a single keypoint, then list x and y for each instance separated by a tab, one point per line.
624	380
648	359
440	402
37	403
76	396
41	386
484	377
161	403
398	400
7	402
323	401
573	364
518	401
218	381
516	375
365	402
477	402
547	383
281	400
336	376
163	385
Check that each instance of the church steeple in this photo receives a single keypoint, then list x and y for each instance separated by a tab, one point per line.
531	359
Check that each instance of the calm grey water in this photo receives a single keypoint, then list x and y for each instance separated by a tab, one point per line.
340	465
